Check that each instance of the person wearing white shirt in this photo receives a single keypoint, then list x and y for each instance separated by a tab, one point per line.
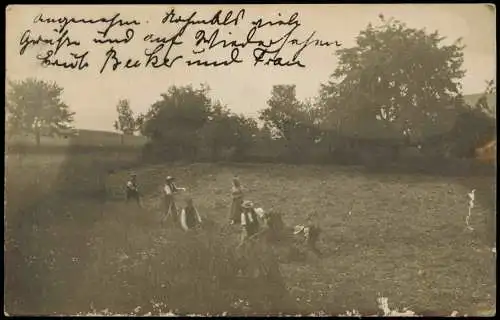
190	218
170	189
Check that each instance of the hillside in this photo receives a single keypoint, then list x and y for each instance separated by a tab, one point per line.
82	137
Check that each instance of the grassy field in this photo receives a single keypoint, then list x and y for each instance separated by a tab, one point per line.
405	239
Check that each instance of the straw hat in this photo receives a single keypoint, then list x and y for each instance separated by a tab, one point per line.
169	178
298	229
247	204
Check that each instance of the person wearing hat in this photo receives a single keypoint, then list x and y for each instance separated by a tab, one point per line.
249	220
169	190
310	233
236	203
190	218
132	190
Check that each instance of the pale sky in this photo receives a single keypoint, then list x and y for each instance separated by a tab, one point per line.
242	87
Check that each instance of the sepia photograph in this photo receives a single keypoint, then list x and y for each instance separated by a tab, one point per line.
250	160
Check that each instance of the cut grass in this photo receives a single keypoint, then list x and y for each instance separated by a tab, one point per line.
405	239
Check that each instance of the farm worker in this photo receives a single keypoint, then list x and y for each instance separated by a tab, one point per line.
312	237
249	221
190	218
274	224
132	190
236	203
311	233
169	190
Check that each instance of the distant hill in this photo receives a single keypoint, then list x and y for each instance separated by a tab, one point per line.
108	138
471	100
79	137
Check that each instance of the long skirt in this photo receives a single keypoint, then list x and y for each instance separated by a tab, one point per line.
236	209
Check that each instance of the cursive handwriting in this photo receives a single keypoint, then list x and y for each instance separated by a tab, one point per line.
170	17
292	21
112	59
157	59
79	61
233	59
63	40
213	42
129	35
220	39
64	22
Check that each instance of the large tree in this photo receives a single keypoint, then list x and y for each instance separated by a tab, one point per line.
35	107
225	130
126	123
218	133
396	81
173	123
286	115
246	131
291	120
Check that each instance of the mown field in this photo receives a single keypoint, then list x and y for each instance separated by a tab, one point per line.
72	245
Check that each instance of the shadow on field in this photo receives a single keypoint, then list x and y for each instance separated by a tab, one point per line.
52	200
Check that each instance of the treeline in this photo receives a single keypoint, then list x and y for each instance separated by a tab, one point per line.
186	125
395	95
